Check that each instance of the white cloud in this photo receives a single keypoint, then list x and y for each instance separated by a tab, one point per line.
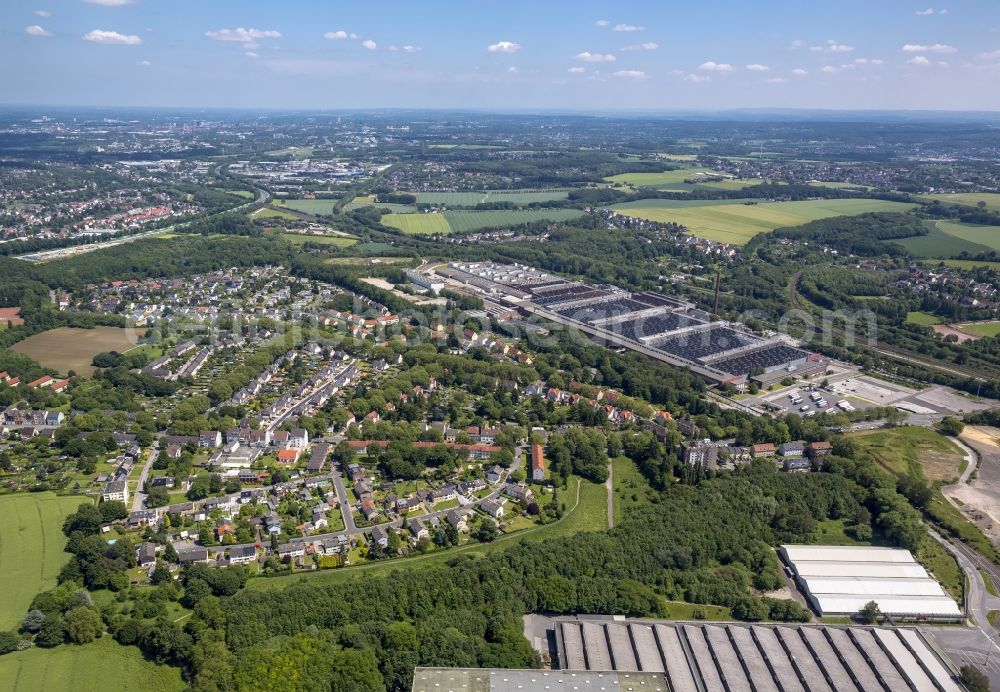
712	66
369	44
110	3
757	67
628	27
829	69
587	56
831	46
697	78
251	54
144	63
925	13
335	35
577	70
405	49
504	47
512	69
777	80
248	37
649	45
933	48
43	13
601	23
919	60
796	44
992	55
630	74
35	30
111	37
868	61
799	72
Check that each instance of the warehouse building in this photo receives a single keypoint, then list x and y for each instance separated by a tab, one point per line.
840	580
705	657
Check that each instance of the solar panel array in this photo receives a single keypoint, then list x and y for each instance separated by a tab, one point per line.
741	657
764	358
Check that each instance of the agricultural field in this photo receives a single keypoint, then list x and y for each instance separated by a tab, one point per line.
470	199
736	223
678	175
68	348
303	238
31	550
950	238
418	224
968	264
100	665
971	199
310	206
467	221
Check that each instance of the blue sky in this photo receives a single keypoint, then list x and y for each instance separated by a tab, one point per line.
504	54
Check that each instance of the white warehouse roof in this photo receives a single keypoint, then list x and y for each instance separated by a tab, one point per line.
873	586
840	580
900	570
845	553
834	604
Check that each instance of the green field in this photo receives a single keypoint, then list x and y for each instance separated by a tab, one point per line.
95	667
418	224
470	199
245	194
69	348
984	329
311	206
950	238
586	510
31	549
467	221
971	199
913	451
631	489
968	264
924	318
303	238
673	177
738	223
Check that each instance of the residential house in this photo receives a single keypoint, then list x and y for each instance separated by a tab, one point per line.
298	438
494	474
146	554
762	450
418	529
187	556
457	519
494	509
518	492
115	491
537	463
795	448
242	554
210	438
379	536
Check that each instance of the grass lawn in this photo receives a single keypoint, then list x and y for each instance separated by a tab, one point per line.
984	329
679	610
98	666
303	238
991	587
994	617
630	488
831	532
31	549
942	565
913	451
245	194
586	510
69	348
924	318
418	224
738	223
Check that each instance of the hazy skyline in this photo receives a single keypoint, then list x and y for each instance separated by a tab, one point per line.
504	54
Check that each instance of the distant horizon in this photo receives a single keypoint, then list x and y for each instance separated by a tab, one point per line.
486	55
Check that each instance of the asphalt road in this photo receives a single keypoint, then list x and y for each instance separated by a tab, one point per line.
139	497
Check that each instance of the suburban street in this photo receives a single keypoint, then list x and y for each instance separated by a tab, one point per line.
139	497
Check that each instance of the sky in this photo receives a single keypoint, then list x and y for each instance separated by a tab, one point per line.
521	55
